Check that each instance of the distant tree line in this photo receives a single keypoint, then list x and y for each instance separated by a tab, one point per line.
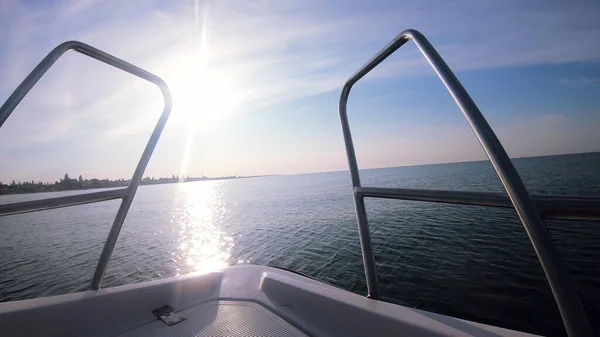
67	183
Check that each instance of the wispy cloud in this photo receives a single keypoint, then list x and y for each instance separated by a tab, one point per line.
281	51
582	82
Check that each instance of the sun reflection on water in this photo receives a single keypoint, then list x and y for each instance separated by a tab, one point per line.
203	245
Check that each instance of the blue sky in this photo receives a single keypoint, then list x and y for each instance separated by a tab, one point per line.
255	84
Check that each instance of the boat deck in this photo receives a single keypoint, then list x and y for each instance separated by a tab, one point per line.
244	300
221	318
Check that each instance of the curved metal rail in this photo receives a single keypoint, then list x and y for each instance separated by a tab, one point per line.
66	201
567	299
550	207
125	194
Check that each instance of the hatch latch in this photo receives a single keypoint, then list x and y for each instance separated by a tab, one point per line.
169	315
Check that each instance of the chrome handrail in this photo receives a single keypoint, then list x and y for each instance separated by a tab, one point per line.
557	274
550	207
125	194
66	201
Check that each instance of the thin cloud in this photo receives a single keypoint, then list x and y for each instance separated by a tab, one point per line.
582	82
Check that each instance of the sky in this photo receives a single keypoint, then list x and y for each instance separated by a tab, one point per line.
255	84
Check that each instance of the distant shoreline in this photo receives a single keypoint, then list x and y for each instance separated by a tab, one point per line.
69	184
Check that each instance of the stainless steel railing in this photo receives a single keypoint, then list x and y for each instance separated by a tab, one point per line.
66	201
567	299
550	207
125	194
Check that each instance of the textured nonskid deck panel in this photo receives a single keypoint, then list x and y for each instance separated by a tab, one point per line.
222	318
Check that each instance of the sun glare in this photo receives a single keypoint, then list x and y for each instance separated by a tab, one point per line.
203	246
202	93
201	97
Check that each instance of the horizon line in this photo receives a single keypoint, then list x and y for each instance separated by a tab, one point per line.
347	170
430	164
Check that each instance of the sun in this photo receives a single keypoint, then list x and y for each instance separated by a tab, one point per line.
201	95
201	90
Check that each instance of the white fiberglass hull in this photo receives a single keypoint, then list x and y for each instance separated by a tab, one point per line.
238	301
